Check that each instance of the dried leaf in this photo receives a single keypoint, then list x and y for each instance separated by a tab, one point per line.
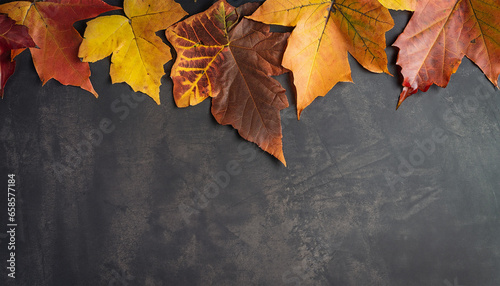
232	60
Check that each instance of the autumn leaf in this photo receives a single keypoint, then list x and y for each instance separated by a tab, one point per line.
440	33
12	36
138	53
408	5
50	24
231	59
325	31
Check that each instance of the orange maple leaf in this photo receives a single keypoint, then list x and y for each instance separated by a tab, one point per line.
325	31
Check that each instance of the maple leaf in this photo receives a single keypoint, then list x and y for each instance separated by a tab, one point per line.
12	36
325	31
408	5
231	59
440	33
50	24
138	53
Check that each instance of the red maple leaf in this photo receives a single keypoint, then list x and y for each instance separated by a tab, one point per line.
12	36
50	24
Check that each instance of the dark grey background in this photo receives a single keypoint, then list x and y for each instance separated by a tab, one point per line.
337	215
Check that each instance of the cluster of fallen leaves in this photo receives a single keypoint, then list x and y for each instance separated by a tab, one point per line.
230	55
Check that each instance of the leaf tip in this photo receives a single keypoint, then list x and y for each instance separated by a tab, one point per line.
407	91
299	112
280	157
399	104
156	98
87	85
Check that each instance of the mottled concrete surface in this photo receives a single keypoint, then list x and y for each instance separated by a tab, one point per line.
359	204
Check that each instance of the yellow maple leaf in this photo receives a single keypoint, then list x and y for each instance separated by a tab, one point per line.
325	31
138	53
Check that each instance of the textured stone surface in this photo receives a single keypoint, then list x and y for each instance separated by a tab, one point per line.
330	218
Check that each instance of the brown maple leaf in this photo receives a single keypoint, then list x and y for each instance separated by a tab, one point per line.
12	36
230	59
50	24
440	33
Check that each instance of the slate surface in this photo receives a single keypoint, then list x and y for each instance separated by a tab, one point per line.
359	204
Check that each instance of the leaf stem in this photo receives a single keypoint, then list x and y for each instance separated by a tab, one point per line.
332	9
